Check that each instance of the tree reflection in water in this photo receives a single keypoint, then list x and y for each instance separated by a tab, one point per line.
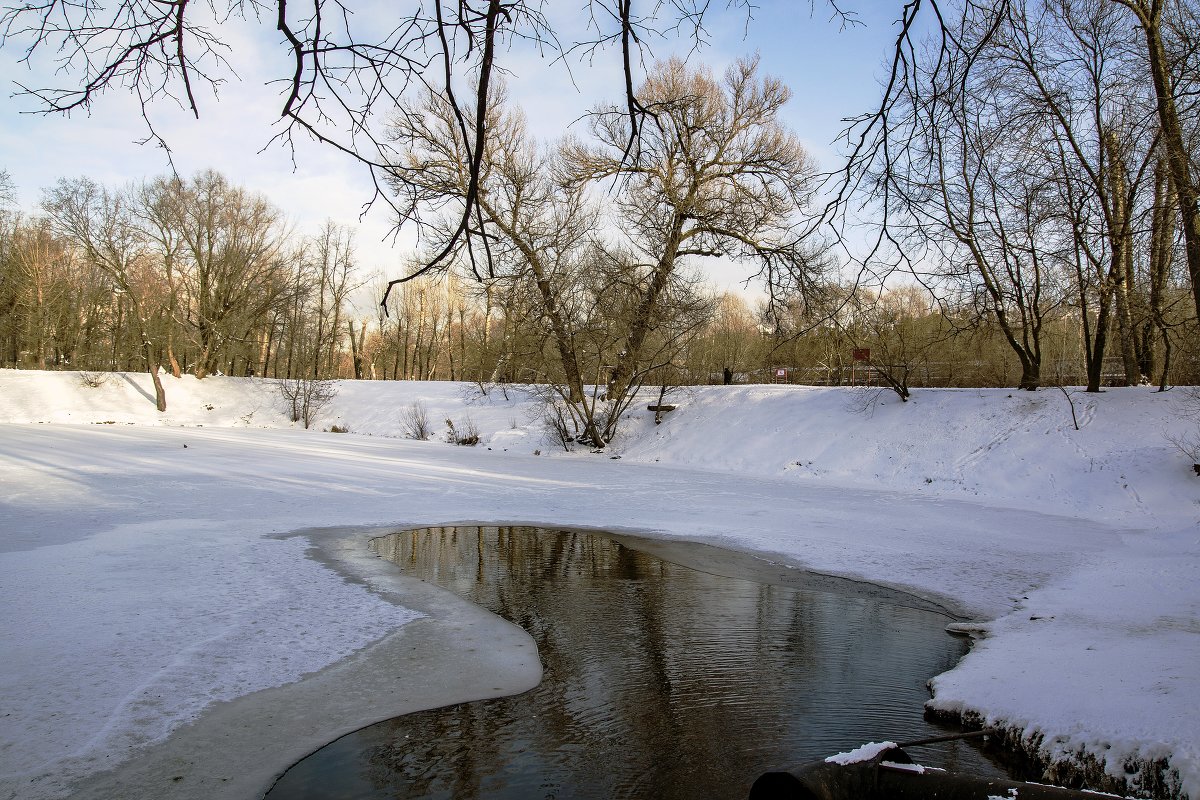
660	681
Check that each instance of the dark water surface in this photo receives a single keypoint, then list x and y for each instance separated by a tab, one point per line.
661	681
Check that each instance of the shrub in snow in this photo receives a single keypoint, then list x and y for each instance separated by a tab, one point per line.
414	421
305	398
466	433
558	426
1189	442
92	380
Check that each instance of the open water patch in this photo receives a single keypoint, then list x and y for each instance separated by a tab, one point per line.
660	680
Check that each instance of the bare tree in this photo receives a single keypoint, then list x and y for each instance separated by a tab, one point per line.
35	285
307	398
102	224
537	229
1069	66
1165	65
897	333
156	208
1157	345
969	214
715	174
1173	73
357	342
8	191
232	262
332	254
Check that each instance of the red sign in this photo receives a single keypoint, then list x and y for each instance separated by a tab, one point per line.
781	373
862	354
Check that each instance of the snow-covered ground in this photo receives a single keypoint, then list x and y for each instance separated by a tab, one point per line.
189	605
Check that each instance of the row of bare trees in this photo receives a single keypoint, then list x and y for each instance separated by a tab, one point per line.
197	275
1042	167
65	308
449	328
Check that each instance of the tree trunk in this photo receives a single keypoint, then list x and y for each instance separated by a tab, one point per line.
486	341
1162	253
172	303
646	314
1120	237
1027	348
160	395
1031	373
40	322
201	370
1095	354
116	365
501	368
562	336
454	366
356	347
462	340
402	351
1178	154
1127	334
135	311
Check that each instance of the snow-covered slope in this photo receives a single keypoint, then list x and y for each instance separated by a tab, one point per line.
1080	547
997	446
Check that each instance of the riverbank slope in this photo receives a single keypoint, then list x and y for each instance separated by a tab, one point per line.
1075	549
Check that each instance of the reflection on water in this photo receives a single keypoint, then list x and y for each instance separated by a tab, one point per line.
660	681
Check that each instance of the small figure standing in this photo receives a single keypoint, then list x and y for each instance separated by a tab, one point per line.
728	376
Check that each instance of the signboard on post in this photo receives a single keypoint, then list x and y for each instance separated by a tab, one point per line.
862	354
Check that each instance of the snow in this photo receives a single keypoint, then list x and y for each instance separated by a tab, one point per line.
190	606
868	752
225	600
917	769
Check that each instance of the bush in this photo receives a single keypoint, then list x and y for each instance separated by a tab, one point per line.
560	427
305	398
466	434
414	421
93	380
1189	442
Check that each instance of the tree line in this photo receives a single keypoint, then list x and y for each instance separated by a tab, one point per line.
176	275
67	307
1041	165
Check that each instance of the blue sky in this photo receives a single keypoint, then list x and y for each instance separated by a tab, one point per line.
832	69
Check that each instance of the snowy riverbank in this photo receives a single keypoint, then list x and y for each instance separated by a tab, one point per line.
152	591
